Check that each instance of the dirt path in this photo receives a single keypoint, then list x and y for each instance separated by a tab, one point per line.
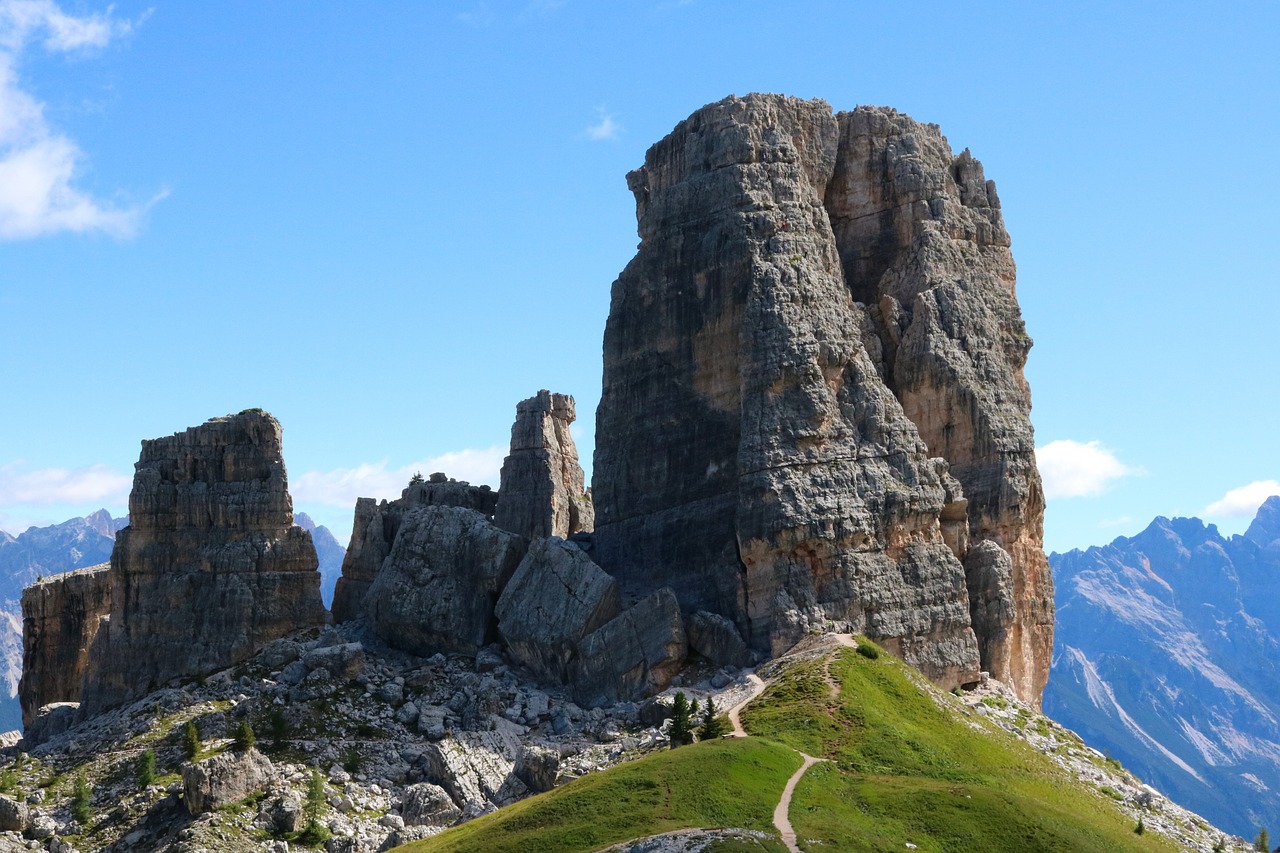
781	821
758	685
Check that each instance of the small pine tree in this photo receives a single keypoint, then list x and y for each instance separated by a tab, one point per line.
80	795
278	728
1140	828
681	731
712	726
145	772
313	808
1262	842
190	741
244	739
1221	846
416	478
352	760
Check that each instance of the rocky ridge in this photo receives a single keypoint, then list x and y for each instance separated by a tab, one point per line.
813	413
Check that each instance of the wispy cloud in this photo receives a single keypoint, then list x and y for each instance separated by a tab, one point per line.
39	165
1244	501
341	486
606	128
46	486
1072	469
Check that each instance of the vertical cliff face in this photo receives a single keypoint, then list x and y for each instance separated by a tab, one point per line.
211	567
543	490
813	407
60	618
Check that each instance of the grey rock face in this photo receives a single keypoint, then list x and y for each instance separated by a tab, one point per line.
211	567
14	816
555	598
749	453
61	615
632	656
224	779
537	767
376	525
924	247
426	804
438	586
716	639
543	491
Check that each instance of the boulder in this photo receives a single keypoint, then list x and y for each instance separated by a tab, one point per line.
632	656
224	779
537	768
543	491
344	661
14	816
376	525
438	587
716	639
425	804
50	720
555	598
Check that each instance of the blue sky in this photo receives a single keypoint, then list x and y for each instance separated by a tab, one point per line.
387	223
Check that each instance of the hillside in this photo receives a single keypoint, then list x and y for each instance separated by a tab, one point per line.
1168	656
903	766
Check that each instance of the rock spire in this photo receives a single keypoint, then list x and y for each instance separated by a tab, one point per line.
543	490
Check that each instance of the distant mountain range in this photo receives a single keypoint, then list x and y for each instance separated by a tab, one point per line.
76	544
1167	655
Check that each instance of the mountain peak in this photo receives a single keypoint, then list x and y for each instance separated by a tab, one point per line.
1265	527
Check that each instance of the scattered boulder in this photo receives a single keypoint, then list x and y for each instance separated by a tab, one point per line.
14	816
716	639
634	655
224	779
437	589
344	661
555	598
537	768
425	804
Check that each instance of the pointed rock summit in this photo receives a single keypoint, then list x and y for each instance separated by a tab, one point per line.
543	491
813	412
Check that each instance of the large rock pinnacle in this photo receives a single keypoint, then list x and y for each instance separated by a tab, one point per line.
210	568
543	490
817	332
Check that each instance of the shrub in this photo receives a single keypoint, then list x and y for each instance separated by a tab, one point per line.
80	795
1140	828
868	650
352	761
145	772
244	739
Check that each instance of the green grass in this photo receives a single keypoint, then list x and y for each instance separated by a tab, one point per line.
903	769
725	783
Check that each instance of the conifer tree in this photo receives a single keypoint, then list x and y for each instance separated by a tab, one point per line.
1262	842
146	769
712	726
80	795
190	741
244	739
681	731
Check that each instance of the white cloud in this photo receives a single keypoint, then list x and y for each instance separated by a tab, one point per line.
1244	501
46	486
1071	469
604	129
341	486
38	165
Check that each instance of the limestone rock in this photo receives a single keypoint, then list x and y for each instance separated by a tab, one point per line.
555	598
50	720
343	661
425	804
476	768
923	245
716	639
537	767
438	586
543	491
376	525
632	656
211	567
224	779
60	618
14	816
749	454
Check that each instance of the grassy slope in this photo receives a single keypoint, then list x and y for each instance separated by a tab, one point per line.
905	770
729	783
901	770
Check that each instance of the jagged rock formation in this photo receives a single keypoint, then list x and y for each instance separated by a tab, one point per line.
1168	657
556	597
633	655
438	586
543	491
376	525
819	319
210	568
61	616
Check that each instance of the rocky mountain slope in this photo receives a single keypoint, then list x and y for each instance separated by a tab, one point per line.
1168	656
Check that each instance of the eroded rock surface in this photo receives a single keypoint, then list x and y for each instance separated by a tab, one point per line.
633	655
375	527
543	492
224	779
438	586
60	617
210	568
